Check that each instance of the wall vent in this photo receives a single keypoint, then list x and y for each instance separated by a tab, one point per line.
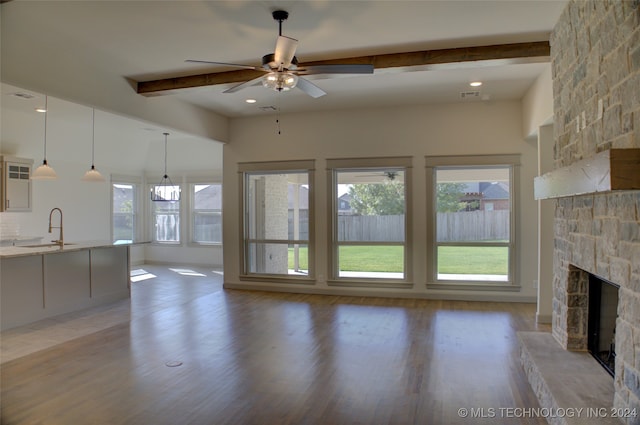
470	94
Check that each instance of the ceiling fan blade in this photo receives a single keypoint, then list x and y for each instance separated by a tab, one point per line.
309	88
336	69
254	82
285	51
235	65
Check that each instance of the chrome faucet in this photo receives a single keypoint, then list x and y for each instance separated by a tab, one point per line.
60	240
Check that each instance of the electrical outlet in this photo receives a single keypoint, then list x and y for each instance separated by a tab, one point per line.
535	283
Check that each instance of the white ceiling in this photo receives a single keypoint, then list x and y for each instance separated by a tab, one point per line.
146	40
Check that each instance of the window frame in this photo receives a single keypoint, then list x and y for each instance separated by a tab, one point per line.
335	166
138	213
193	211
276	167
512	161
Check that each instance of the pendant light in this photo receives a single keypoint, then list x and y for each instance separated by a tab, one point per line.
165	190
44	172
93	175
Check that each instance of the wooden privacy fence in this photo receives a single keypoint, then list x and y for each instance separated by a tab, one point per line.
473	226
452	227
368	228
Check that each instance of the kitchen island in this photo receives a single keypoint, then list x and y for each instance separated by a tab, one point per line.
42	281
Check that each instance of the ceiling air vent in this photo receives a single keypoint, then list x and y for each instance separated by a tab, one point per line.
268	108
23	95
473	94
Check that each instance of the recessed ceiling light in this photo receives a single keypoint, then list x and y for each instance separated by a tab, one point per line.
475	83
251	101
41	110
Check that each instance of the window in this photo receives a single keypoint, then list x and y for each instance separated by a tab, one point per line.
125	210
370	224
165	217
277	205
472	226
206	213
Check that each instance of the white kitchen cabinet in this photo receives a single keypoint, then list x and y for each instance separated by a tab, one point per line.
16	183
42	282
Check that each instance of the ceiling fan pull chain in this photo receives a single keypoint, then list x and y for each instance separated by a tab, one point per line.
278	113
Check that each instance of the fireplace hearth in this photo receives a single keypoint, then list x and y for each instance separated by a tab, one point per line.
602	317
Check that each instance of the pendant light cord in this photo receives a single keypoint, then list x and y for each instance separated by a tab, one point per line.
46	112
93	138
165	154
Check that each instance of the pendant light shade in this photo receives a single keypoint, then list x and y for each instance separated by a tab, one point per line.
93	175
44	172
165	190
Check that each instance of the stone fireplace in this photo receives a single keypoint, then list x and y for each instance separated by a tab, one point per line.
600	235
595	52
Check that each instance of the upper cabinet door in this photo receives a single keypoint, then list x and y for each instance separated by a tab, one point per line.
16	186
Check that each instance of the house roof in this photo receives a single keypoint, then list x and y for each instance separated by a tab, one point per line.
497	190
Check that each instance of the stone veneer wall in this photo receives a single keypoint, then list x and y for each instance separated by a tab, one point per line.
595	51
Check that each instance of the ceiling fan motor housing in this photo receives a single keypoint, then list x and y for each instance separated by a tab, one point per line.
280	15
269	63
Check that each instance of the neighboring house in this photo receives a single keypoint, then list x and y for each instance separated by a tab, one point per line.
495	196
486	196
344	205
210	196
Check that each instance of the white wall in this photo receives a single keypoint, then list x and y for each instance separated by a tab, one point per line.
456	129
122	146
537	111
537	104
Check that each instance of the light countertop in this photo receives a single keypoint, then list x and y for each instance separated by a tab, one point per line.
39	249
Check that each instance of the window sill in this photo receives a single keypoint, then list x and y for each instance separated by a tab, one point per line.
370	284
272	278
173	244
474	286
204	244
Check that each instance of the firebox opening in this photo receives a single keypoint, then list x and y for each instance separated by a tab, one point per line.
603	312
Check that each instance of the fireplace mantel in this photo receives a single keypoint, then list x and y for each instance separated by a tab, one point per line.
614	169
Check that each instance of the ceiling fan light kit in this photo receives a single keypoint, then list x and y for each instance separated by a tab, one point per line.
280	81
283	70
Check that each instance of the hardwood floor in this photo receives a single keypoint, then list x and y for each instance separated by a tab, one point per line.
189	352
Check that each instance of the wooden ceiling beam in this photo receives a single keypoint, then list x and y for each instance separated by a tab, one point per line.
463	57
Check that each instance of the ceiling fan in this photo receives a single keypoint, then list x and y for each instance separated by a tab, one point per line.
283	72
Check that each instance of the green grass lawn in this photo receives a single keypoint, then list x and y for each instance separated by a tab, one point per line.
473	260
451	260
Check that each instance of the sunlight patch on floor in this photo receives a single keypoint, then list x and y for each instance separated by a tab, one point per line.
187	272
137	275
